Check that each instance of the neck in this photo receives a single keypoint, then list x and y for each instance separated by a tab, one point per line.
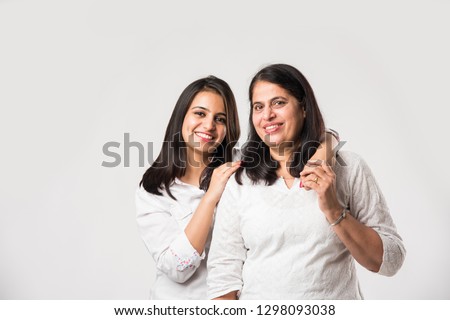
283	171
194	167
283	156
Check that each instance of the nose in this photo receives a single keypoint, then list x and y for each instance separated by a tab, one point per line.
268	113
209	124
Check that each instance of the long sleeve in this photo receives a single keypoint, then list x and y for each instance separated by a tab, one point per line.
368	205
228	252
161	224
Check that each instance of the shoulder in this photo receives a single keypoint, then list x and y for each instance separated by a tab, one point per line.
348	162
235	189
146	200
232	183
352	167
244	179
349	157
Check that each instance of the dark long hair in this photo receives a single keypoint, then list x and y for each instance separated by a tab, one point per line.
172	160
258	164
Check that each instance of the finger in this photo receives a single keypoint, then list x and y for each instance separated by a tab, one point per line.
224	167
231	164
232	169
316	172
237	163
314	163
307	170
310	166
302	185
311	181
320	173
327	169
321	177
311	185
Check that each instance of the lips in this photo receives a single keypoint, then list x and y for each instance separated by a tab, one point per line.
272	127
204	136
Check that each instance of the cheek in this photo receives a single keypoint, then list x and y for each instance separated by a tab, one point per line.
255	120
223	133
189	123
300	121
185	129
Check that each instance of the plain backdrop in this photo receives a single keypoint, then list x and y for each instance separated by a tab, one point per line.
75	75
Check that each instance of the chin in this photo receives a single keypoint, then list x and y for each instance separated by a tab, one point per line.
271	144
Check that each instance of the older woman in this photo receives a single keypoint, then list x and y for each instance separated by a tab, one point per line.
178	194
275	240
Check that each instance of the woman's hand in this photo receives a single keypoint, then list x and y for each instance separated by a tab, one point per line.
322	179
220	178
228	296
363	242
307	170
198	228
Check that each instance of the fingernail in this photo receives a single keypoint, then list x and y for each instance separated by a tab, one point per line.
301	184
316	162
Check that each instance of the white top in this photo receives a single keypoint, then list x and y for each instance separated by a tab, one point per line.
180	269
272	242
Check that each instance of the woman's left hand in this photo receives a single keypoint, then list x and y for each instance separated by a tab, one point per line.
322	179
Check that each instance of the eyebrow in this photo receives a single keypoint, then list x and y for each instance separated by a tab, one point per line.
272	99
278	97
206	109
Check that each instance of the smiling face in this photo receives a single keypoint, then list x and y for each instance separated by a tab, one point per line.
276	115
204	125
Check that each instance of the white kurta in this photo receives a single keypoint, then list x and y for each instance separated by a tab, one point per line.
180	269
272	242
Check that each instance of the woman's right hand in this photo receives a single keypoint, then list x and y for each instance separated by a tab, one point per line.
220	178
198	228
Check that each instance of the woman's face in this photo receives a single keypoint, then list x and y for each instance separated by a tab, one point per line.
277	116
204	125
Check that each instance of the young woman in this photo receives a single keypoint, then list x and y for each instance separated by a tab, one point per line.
178	194
274	240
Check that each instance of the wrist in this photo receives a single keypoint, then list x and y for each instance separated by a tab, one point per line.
210	198
343	214
333	214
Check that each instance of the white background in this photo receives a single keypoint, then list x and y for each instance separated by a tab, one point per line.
75	75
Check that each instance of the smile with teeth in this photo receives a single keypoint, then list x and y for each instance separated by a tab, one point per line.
204	136
272	127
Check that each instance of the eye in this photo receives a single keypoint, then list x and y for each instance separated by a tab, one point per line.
279	103
200	113
222	120
257	107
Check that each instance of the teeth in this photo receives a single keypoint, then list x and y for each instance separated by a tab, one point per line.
204	135
272	127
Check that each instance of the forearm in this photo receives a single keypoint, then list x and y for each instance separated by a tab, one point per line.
198	228
228	252
364	243
326	149
229	296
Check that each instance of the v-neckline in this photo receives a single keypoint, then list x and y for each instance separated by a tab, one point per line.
282	182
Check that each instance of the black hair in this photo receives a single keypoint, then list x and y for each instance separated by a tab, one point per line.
172	159
258	163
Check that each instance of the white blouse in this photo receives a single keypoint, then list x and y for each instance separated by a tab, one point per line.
272	242
180	269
